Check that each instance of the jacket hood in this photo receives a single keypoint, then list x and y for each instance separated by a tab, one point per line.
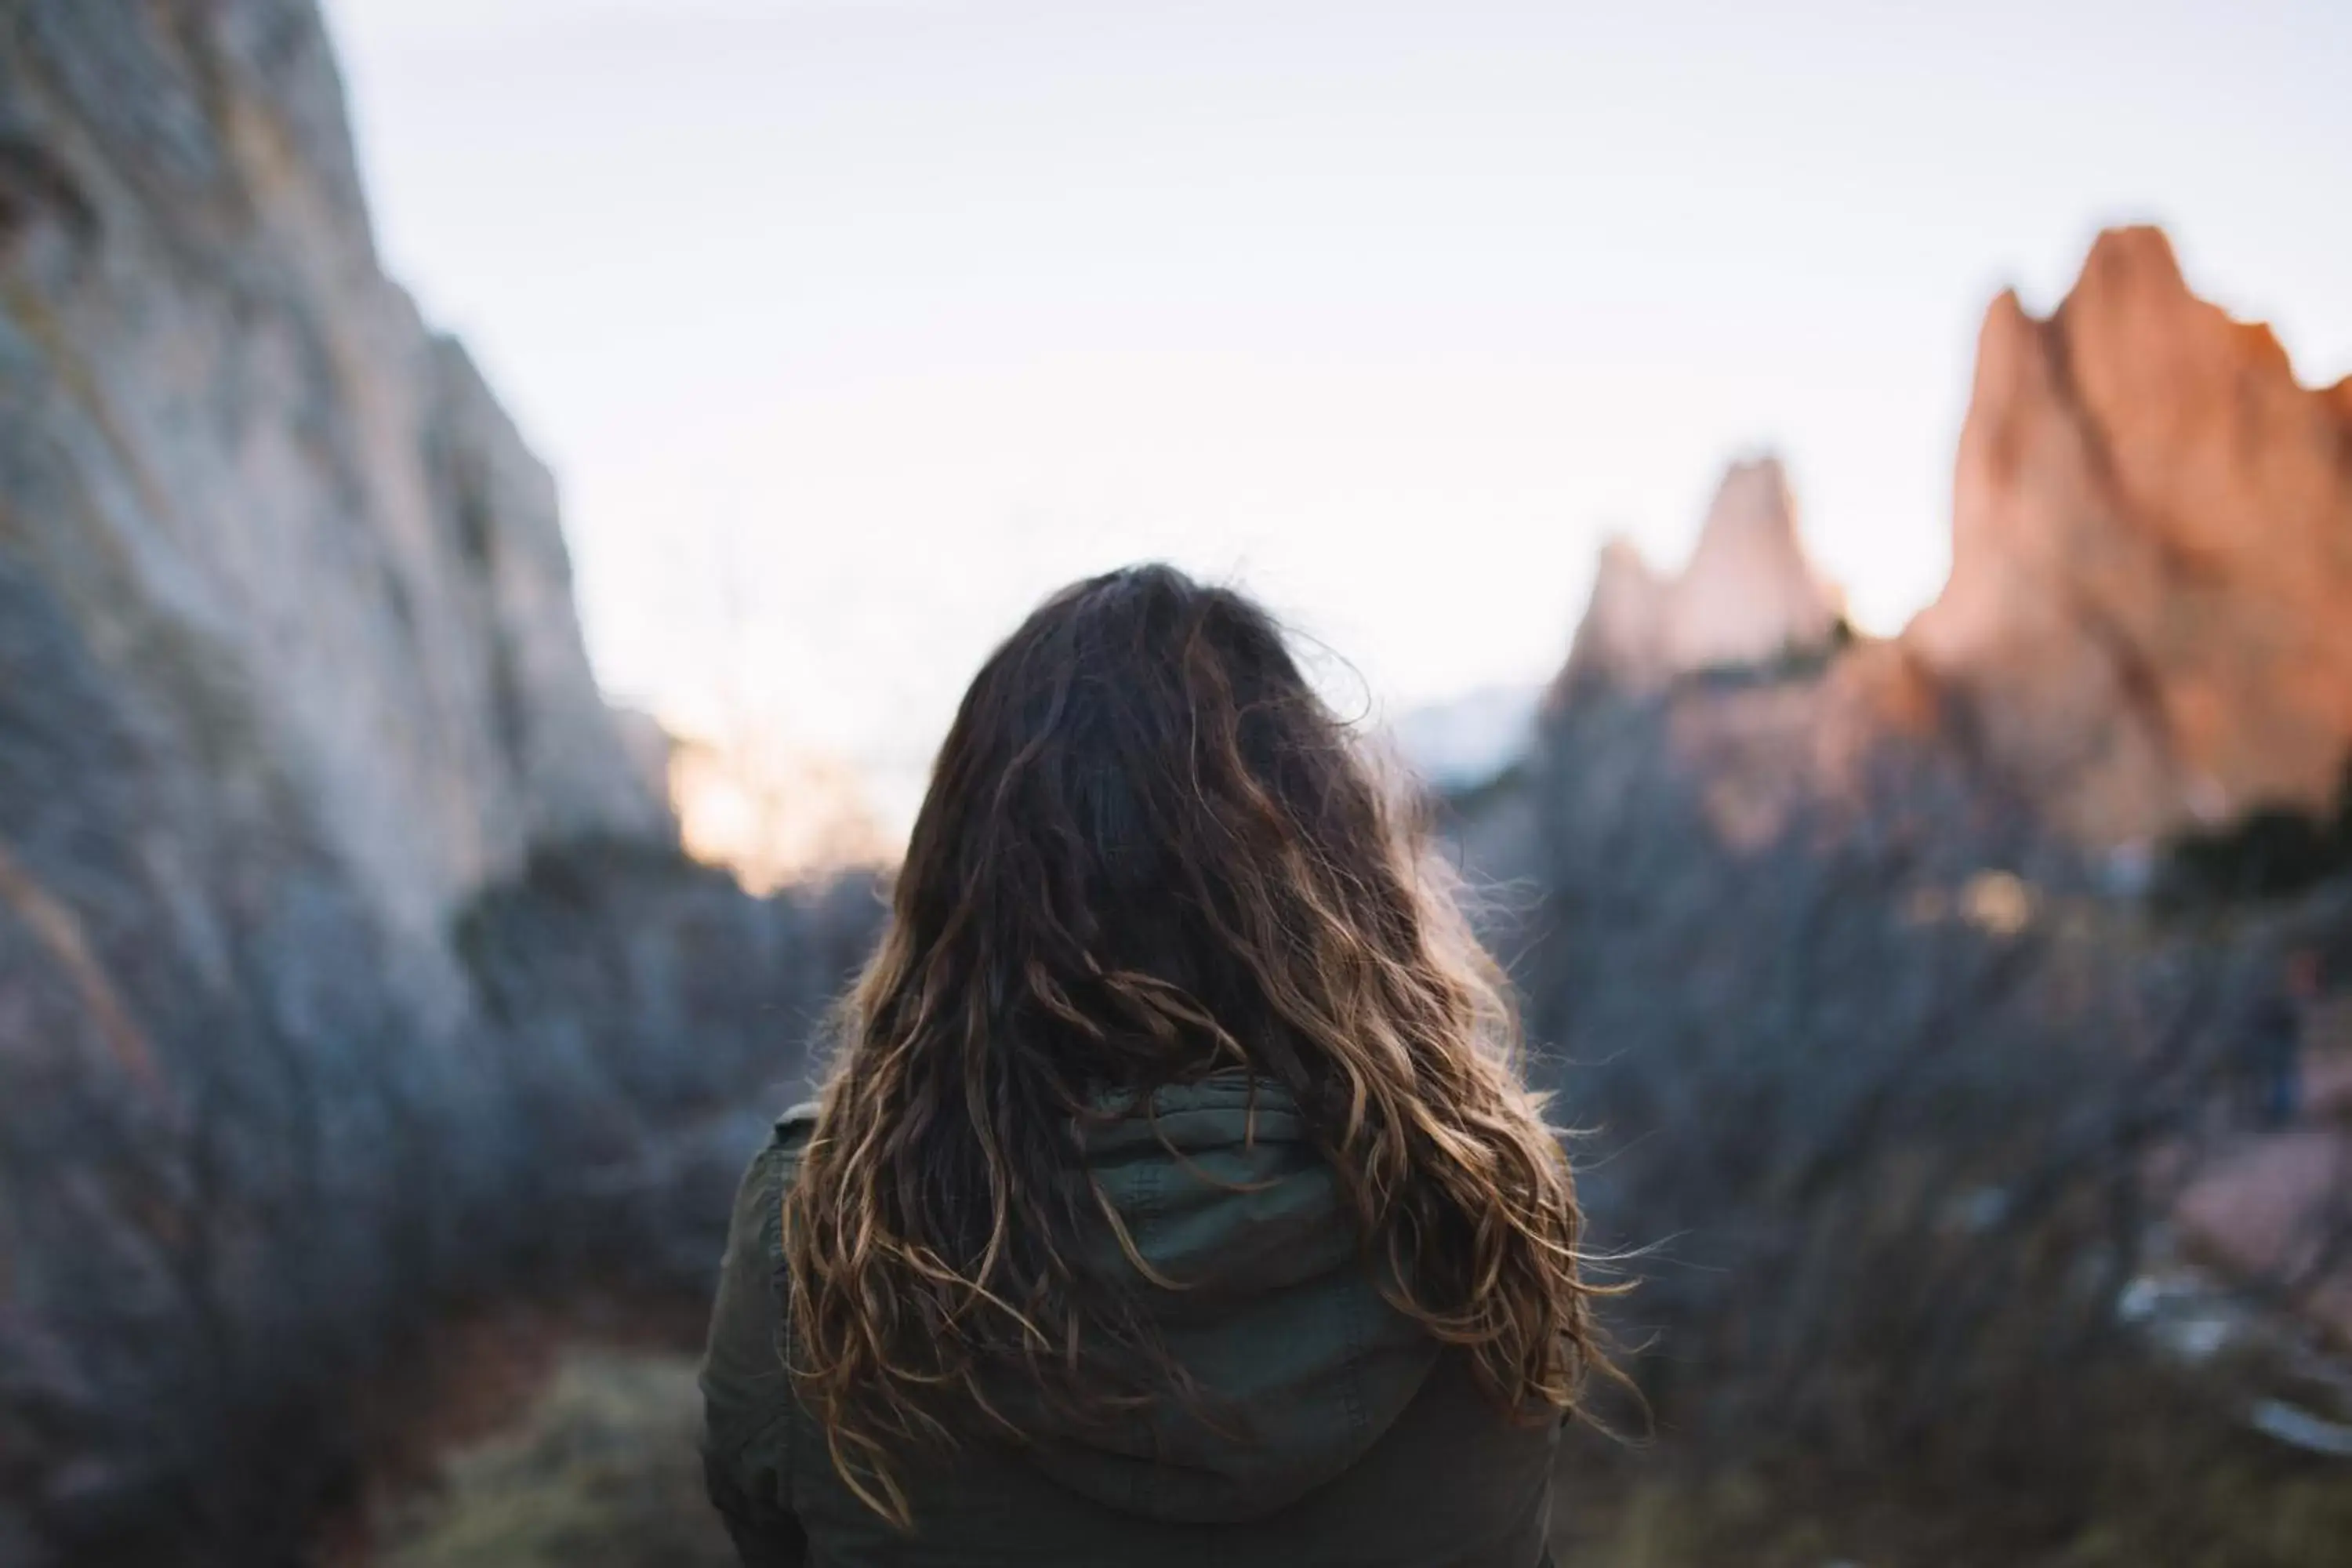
1275	1312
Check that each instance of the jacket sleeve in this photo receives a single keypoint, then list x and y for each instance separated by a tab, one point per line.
747	1399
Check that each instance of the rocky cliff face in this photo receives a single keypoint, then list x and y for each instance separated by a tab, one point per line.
1748	595
2150	615
289	519
290	677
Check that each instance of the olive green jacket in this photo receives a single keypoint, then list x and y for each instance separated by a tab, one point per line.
1359	1441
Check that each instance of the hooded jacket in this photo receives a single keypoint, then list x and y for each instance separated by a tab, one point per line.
1342	1434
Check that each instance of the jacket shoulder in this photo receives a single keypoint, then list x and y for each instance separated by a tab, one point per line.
747	1396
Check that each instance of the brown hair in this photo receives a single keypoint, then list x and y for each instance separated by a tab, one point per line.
1149	851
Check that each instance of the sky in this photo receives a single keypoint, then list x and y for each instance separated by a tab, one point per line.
853	329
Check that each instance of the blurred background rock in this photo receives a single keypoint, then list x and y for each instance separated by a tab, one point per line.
350	973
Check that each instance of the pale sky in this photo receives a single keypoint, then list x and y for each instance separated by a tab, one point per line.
851	329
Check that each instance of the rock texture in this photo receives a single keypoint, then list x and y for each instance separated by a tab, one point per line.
2149	615
233	457
1748	595
291	692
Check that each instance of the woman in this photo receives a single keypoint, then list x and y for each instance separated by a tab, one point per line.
1174	1196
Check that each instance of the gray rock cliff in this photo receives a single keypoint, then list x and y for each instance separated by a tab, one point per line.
236	457
348	970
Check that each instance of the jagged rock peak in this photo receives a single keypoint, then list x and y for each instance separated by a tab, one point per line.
1748	594
2151	554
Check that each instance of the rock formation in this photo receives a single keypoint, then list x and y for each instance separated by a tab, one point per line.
2149	622
292	522
1748	603
2149	615
1747	597
291	692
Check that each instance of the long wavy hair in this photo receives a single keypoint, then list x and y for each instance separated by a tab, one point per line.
1149	852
